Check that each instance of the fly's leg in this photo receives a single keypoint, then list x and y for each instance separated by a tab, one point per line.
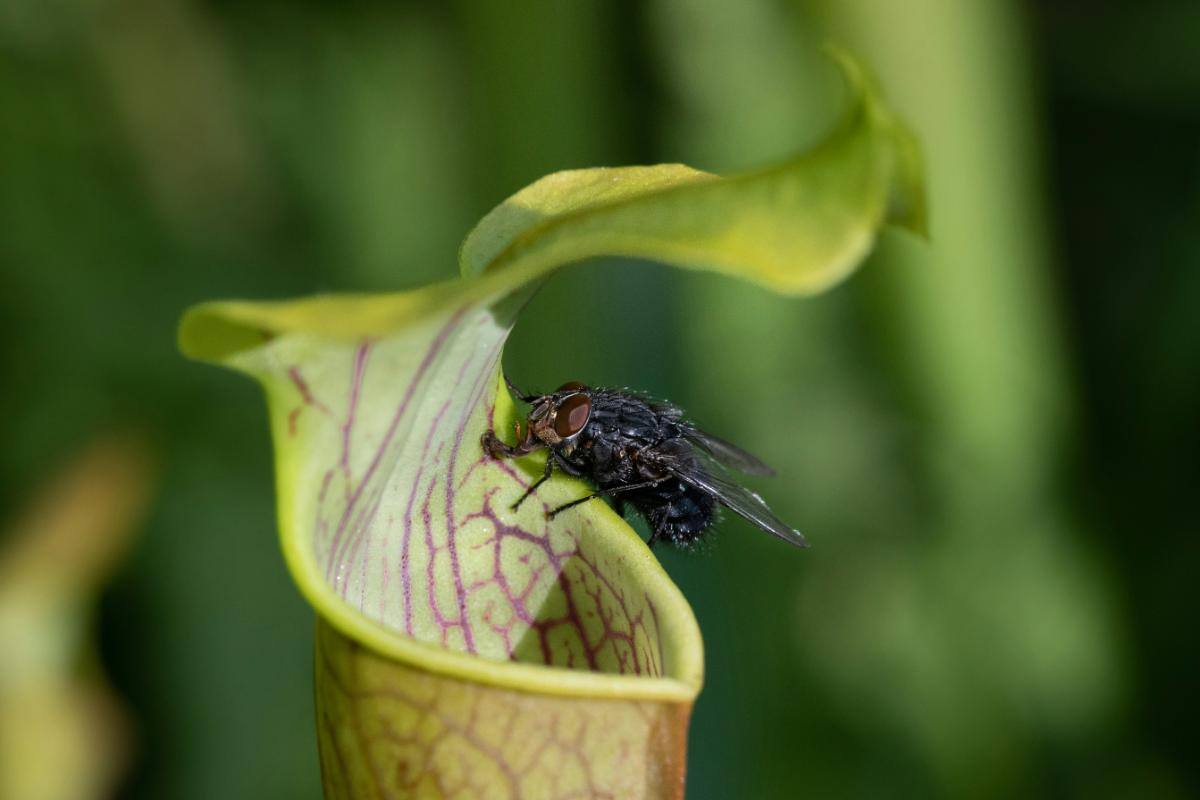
522	396
493	446
534	486
604	493
525	445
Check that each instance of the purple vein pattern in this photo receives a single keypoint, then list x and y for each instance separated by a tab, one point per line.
410	521
392	731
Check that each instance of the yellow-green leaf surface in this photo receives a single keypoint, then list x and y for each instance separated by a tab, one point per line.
465	649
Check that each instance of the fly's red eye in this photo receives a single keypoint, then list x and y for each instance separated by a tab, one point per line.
570	386
572	415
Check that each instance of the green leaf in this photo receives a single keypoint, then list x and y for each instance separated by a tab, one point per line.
443	612
797	227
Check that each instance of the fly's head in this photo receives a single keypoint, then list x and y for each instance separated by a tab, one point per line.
557	419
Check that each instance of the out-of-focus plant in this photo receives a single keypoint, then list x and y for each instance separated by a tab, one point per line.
63	734
962	626
463	647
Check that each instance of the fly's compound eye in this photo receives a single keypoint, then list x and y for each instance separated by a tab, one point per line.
570	386
571	415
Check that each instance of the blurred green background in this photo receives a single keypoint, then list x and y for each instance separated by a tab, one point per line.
991	441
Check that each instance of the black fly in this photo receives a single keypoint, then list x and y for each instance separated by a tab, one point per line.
642	452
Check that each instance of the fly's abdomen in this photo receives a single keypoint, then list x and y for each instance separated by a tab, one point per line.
676	512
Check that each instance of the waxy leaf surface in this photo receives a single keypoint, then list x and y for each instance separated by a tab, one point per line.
441	607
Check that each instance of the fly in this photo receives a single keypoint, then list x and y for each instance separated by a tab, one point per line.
641	452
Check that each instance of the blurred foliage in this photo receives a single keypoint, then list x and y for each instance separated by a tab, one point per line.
63	735
991	445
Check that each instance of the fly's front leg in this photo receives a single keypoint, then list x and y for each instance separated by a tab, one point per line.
534	486
493	446
522	396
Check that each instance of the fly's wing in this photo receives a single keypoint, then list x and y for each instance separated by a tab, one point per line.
726	453
721	451
678	458
743	502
